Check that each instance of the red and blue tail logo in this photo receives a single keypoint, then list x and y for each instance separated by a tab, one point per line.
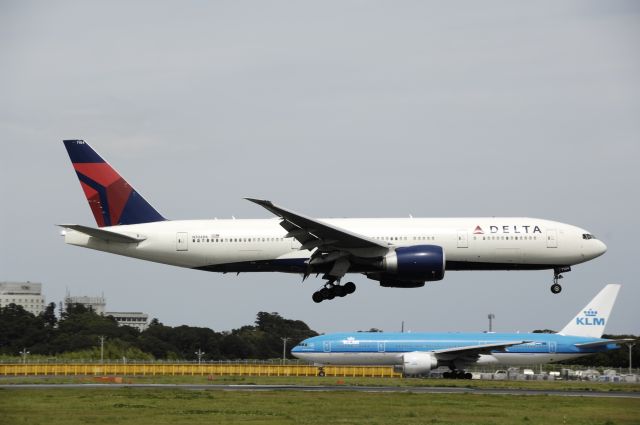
111	199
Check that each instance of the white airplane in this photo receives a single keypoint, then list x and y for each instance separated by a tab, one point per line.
397	252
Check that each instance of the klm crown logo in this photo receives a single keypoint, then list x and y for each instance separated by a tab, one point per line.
590	318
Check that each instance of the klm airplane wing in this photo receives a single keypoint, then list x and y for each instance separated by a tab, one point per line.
334	244
105	235
474	350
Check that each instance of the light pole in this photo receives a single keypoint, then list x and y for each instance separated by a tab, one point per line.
284	349
491	316
101	349
200	353
24	354
630	345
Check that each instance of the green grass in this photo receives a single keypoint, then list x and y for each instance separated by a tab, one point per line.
286	380
174	406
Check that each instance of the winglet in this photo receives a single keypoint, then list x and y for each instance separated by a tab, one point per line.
268	205
592	319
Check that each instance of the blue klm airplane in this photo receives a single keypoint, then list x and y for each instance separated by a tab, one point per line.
418	353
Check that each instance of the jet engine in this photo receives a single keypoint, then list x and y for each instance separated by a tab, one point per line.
418	263
418	362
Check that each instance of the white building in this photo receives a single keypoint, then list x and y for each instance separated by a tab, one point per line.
133	319
26	294
97	304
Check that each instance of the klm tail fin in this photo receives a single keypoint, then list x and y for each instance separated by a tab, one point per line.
111	199
592	319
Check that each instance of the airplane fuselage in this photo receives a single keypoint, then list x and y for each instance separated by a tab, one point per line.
253	245
371	348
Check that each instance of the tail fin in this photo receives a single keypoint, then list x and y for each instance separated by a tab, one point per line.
111	199
591	320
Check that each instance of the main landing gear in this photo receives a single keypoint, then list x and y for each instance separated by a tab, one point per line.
557	275
456	374
332	290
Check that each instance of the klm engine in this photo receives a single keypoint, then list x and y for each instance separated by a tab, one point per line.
418	362
411	266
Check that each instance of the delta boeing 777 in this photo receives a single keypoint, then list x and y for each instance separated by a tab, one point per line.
397	252
419	353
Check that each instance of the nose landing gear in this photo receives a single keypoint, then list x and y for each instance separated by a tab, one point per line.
556	288
332	290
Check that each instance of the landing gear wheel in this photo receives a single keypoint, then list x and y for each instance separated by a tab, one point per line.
349	287
339	291
556	288
446	375
317	297
468	376
327	293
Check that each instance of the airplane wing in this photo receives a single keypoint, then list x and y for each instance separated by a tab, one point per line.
603	342
334	244
105	235
473	351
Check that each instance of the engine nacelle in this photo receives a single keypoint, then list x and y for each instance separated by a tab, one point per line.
390	281
418	263
418	362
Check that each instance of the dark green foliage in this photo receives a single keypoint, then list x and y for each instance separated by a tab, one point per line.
79	331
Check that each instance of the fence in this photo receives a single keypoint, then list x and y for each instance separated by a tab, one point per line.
182	369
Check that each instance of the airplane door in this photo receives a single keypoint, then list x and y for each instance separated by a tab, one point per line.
463	239
552	346
380	347
327	346
295	245
552	238
182	241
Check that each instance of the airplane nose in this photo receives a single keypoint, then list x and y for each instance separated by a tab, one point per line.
601	248
595	249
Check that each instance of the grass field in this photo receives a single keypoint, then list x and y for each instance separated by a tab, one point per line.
175	406
286	380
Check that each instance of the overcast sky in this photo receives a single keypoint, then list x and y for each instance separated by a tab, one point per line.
333	109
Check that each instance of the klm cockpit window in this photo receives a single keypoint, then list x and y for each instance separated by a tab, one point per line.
588	236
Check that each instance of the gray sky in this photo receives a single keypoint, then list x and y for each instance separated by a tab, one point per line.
334	109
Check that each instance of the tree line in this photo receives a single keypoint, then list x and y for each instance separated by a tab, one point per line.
76	335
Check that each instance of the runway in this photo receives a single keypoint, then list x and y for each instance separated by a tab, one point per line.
323	388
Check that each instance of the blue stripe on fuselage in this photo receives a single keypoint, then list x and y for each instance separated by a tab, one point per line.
406	342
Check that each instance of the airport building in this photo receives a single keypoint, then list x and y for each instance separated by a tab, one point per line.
97	304
134	319
25	294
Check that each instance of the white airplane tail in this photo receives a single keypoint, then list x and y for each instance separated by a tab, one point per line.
591	320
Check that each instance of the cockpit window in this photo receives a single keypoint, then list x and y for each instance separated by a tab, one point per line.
588	236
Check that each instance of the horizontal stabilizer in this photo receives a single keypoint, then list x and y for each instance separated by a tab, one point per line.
105	235
603	342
